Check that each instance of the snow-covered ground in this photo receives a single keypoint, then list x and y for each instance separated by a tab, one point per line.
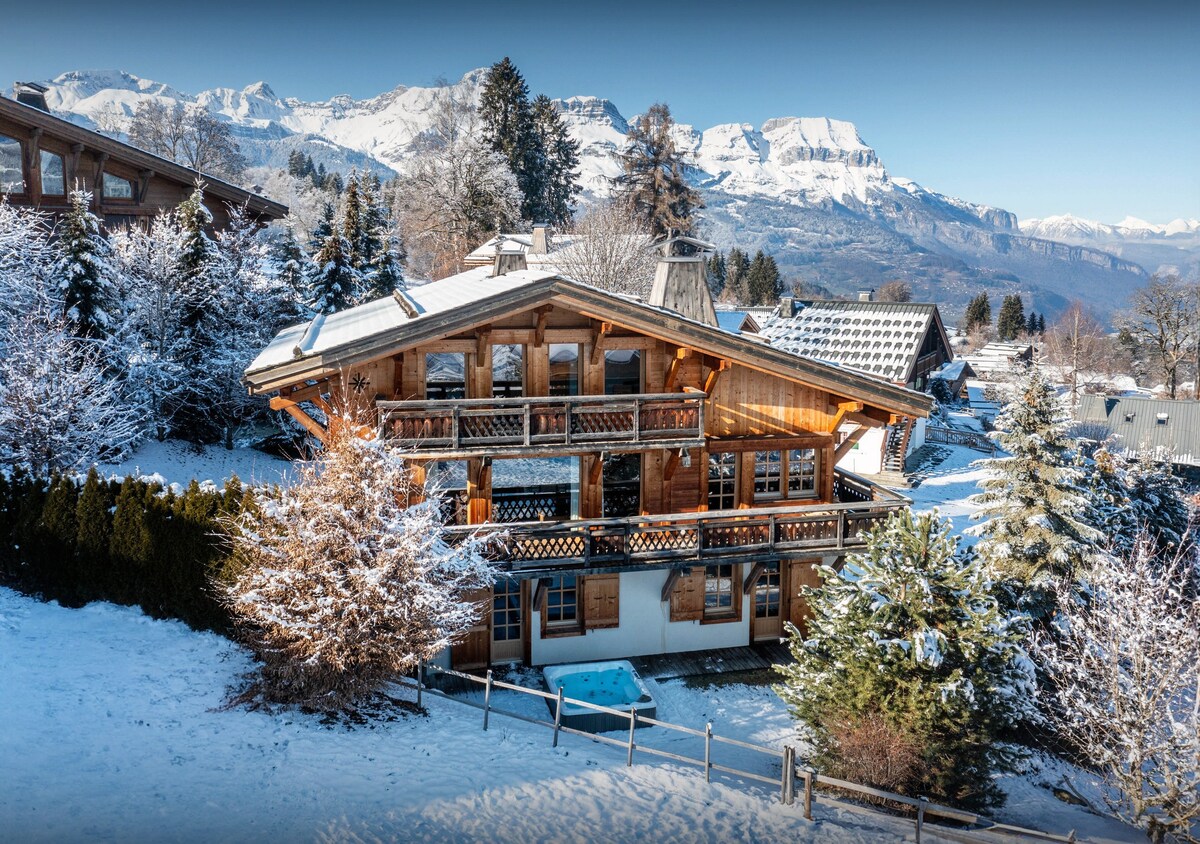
115	730
176	462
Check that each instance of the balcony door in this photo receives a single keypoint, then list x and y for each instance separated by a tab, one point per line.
768	604
508	643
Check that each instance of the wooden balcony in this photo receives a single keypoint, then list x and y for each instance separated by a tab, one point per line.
643	542
539	425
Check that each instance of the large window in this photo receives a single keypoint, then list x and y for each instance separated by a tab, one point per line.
788	474
54	180
508	370
564	369
622	372
720	592
448	480
12	179
622	485
445	375
532	489
562	602
117	188
722	480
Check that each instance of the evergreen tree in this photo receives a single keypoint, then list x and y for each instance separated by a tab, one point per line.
290	262
911	670
322	230
507	120
560	176
716	274
1156	496
979	313
354	223
130	547
60	574
737	276
196	256
764	286
1037	522
653	182
86	276
1031	324
93	516
335	282
1041	323
1011	322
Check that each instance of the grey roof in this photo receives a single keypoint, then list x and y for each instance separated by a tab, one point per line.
1139	424
878	338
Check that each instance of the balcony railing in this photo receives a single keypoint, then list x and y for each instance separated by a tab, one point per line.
537	424
671	539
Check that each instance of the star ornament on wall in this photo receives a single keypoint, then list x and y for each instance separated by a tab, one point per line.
359	383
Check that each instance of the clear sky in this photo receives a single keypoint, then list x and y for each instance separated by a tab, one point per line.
1091	108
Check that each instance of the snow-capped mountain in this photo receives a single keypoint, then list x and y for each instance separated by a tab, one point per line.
807	188
1172	247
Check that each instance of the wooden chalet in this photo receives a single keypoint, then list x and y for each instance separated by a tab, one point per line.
665	485
43	157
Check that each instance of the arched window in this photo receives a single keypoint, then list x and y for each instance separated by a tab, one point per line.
12	178
54	180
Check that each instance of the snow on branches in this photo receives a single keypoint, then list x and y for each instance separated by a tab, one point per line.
1123	668
343	585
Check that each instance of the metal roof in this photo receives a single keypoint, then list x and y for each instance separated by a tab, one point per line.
1139	424
879	338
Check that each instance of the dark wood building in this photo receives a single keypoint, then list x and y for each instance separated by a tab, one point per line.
43	158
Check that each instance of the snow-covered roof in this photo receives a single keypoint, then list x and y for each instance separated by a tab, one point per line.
952	371
486	252
998	357
879	338
1142	423
332	331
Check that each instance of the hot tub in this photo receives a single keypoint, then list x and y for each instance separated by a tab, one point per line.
613	684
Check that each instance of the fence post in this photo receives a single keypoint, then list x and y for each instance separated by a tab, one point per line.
808	793
632	727
420	680
557	716
708	752
487	700
788	764
921	801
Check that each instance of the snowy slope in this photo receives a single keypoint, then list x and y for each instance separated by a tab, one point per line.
1172	247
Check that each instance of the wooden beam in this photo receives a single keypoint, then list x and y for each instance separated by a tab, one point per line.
755	574
144	177
672	463
307	392
539	332
711	382
450	345
673	372
597	337
669	586
844	407
483	479
848	443
295	411
73	176
596	469
483	336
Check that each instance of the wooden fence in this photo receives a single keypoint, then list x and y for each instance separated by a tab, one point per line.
790	769
953	436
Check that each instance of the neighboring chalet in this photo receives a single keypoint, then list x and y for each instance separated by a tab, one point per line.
737	321
901	342
996	359
43	157
665	485
1170	428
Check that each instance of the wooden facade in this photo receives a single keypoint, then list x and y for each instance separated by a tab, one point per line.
43	158
618	447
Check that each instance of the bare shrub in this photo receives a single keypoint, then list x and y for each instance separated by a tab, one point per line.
867	749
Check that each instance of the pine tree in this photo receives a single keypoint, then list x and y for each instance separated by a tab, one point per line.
195	259
507	119
1031	324
58	519
653	182
911	670
93	517
1037	523
130	547
737	277
560	178
716	274
353	223
334	282
1011	322
290	262
1041	324
979	313
1156	496
763	283
322	230
86	276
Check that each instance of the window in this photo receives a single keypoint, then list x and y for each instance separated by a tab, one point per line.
564	369
722	481
719	589
532	489
798	466
768	475
449	479
54	180
622	372
508	370
445	375
622	485
562	601
12	179
117	188
506	610
767	593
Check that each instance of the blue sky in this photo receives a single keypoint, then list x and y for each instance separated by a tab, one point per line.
1091	108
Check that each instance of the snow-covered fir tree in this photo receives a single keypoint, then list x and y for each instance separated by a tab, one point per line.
1123	669
1036	519
560	178
1157	497
343	586
29	266
910	669
85	274
290	262
334	283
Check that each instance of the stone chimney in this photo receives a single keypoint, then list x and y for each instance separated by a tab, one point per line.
787	306
541	239
507	261
681	280
866	295
31	94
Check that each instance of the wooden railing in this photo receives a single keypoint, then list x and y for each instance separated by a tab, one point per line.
533	424
706	536
953	436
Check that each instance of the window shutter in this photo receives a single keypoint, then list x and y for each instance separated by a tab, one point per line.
687	598
602	600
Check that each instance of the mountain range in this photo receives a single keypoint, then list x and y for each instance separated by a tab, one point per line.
808	190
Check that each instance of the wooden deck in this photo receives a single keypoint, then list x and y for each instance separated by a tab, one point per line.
758	657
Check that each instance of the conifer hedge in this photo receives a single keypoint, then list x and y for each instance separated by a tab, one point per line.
129	542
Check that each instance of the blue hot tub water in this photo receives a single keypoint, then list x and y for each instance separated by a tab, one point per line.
612	684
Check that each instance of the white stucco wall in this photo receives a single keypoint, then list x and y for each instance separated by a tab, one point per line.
865	457
917	438
645	628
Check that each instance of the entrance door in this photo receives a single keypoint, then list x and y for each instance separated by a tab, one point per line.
768	605
472	650
507	644
800	574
